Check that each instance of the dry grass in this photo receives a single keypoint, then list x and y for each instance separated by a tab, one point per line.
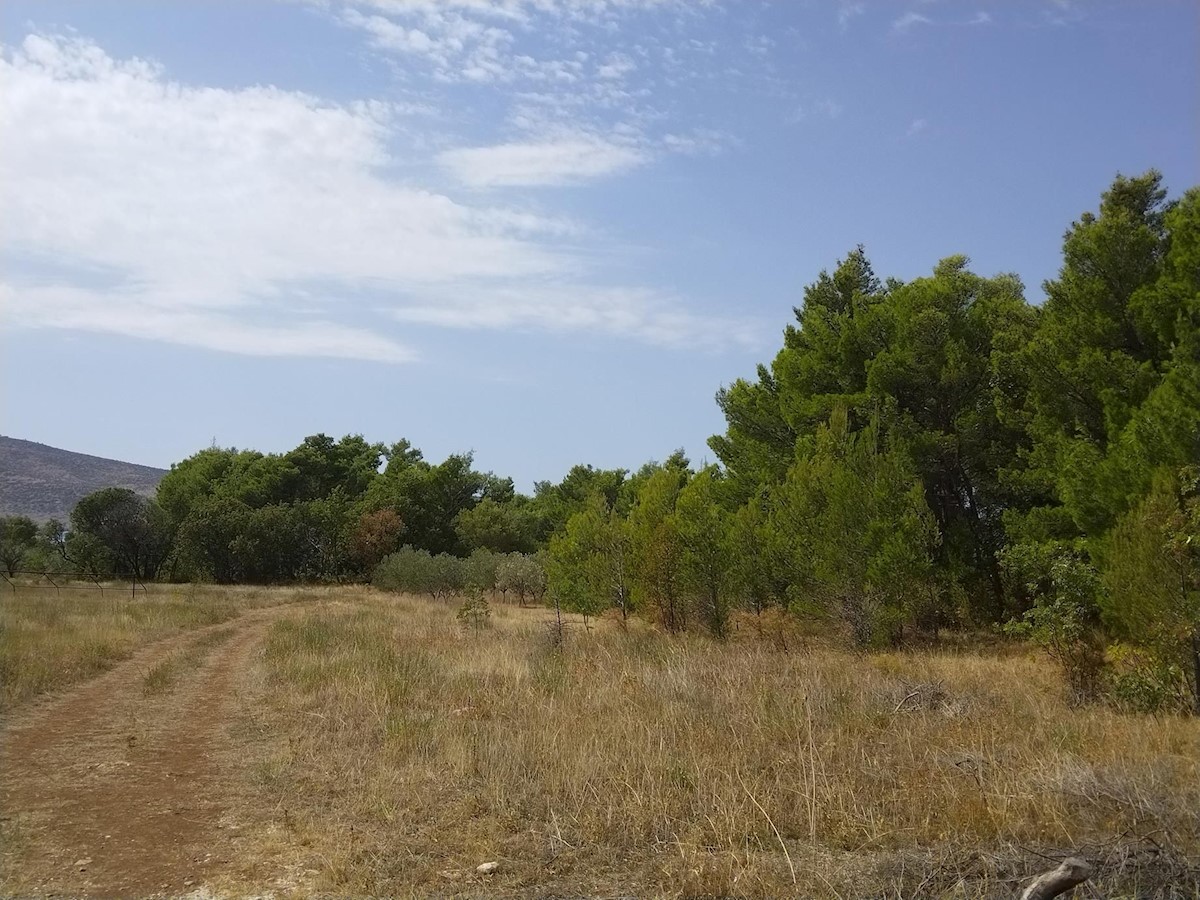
49	640
400	751
162	677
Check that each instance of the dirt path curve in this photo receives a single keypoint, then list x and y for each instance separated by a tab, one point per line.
115	792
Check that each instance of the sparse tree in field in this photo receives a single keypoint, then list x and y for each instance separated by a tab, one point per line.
408	571
449	576
474	612
481	567
523	575
18	539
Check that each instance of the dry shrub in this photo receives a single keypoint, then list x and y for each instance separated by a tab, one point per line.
773	626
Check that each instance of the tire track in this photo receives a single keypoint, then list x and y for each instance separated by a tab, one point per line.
110	793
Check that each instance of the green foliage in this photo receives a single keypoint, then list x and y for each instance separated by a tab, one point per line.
1062	586
523	576
589	563
499	527
554	504
656	548
18	540
705	530
1114	383
1146	683
324	511
407	571
474	613
854	536
1151	572
115	531
480	570
925	361
429	499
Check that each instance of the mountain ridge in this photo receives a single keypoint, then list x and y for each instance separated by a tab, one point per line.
45	482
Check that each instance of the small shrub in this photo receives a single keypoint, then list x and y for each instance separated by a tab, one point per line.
1064	618
1141	682
475	613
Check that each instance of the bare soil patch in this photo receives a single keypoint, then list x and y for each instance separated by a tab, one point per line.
123	786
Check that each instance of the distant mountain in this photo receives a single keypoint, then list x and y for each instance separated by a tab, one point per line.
45	482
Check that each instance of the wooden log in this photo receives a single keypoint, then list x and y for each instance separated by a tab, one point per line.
1072	872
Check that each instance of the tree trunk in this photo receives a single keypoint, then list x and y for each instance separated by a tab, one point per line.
1072	872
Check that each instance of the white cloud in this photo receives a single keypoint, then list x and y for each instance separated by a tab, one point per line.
983	17
909	20
915	127
566	159
616	66
251	220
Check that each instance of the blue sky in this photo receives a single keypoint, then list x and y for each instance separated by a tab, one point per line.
543	230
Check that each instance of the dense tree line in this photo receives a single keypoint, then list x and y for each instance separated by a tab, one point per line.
918	455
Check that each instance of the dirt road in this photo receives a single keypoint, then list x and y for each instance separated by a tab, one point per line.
123	786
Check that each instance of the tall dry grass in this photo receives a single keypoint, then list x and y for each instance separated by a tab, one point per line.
399	751
50	639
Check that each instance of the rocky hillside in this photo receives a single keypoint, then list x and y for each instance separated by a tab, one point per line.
45	482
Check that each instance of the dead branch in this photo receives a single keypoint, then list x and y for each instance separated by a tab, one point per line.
1072	872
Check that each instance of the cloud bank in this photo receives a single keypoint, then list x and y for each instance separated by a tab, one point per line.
270	222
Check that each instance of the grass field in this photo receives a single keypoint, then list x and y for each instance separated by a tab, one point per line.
388	750
401	751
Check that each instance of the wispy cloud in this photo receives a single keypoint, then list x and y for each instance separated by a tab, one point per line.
475	41
915	127
848	10
259	220
659	318
568	159
910	20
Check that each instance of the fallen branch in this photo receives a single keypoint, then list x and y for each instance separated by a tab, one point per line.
1072	872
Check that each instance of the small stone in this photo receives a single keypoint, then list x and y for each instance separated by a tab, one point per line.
81	863
488	868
